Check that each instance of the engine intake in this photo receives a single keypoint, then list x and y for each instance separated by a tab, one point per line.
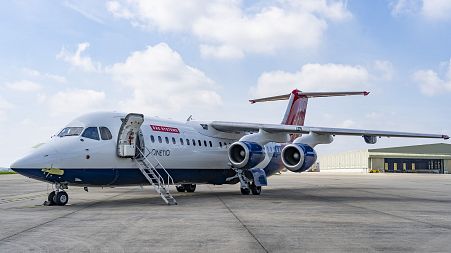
298	157
370	139
245	155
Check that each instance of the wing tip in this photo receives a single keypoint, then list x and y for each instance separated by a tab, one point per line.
252	101
446	137
366	93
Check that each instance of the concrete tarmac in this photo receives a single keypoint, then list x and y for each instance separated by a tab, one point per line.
307	212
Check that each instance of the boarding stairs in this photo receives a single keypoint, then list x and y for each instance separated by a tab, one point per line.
149	171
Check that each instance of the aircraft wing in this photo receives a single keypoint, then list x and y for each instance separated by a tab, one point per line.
279	128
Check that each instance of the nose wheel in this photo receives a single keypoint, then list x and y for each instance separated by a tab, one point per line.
58	197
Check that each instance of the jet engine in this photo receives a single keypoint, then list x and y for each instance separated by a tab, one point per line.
298	157
245	155
370	139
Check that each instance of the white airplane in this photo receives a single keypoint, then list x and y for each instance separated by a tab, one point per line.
116	149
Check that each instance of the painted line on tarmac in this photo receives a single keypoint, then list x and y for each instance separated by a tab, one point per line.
59	217
22	197
242	224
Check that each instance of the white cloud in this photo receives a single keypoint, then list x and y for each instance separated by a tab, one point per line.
431	83
23	86
4	107
160	81
164	15
227	31
38	74
405	7
347	124
221	52
430	9
312	77
77	60
77	101
84	11
437	9
385	69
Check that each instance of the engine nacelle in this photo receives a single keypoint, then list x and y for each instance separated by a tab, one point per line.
245	155
370	139
298	157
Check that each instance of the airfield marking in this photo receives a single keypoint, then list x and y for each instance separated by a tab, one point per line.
21	197
242	224
62	216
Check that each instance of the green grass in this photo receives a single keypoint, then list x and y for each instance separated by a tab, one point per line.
7	172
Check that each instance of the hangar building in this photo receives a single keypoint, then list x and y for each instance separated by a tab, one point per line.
430	158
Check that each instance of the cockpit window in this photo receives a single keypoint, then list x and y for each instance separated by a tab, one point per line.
105	133
70	131
91	133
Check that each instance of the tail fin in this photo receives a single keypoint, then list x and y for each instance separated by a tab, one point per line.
296	109
297	104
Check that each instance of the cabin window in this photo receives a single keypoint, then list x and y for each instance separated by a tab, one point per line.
166	139
173	140
91	133
220	144
211	144
194	142
199	142
152	139
105	133
181	141
159	139
187	142
70	131
205	143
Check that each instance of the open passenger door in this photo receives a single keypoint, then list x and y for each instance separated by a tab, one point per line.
128	136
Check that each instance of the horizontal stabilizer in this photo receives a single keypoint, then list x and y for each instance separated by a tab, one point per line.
309	95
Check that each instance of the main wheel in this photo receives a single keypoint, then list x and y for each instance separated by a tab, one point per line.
190	187
61	198
245	191
256	190
51	198
180	188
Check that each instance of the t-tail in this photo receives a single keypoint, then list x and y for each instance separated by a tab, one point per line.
297	104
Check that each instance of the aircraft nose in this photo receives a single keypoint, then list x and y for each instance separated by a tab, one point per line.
37	159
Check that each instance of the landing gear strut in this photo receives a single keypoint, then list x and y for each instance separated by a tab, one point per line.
186	187
246	185
57	197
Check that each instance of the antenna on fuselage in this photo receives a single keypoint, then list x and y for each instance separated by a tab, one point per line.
189	118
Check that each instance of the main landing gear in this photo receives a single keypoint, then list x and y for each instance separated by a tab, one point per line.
58	197
186	187
246	185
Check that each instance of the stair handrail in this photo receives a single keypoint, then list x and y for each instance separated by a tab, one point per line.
170	180
159	177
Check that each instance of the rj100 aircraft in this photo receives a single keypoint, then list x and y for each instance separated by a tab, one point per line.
117	149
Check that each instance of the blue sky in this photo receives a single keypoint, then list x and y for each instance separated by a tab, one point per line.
60	59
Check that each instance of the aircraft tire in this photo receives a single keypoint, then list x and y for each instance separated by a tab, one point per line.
61	198
245	191
256	190
190	187
180	188
51	199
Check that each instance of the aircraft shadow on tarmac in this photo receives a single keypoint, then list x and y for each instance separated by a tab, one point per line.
279	195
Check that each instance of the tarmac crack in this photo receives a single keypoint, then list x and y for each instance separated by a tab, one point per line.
59	217
242	223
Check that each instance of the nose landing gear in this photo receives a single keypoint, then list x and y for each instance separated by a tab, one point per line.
57	197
